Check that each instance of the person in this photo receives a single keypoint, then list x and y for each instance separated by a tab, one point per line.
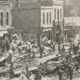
27	72
41	50
33	51
60	72
38	76
77	67
53	47
59	48
32	76
70	70
63	49
23	76
3	45
77	47
11	71
10	60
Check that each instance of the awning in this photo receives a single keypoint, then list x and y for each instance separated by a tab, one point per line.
12	30
2	33
46	29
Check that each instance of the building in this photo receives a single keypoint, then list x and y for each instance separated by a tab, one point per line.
5	16
51	11
58	10
26	17
71	26
46	17
36	16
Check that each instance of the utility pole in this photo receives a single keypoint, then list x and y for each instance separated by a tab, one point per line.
39	26
58	29
39	29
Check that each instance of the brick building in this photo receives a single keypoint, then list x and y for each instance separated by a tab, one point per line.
5	16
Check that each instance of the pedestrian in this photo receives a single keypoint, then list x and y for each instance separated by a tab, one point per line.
38	76
27	72
32	76
41	50
11	71
63	49
77	67
33	51
23	76
60	72
70	70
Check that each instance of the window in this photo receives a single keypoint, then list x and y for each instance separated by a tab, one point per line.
1	18
7	18
55	13
50	17
60	13
47	18
43	18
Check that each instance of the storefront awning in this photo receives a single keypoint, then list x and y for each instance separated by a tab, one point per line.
12	30
46	29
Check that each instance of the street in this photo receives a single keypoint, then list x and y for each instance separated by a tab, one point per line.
56	78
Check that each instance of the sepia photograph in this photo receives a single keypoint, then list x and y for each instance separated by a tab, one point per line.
39	39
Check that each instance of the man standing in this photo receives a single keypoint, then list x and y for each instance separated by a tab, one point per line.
70	70
60	72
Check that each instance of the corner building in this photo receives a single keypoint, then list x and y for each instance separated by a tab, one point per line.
5	16
51	10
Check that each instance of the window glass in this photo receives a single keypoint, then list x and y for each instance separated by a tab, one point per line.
43	18
47	18
60	13
50	17
7	18
1	18
55	13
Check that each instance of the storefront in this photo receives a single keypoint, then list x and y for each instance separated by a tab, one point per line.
47	32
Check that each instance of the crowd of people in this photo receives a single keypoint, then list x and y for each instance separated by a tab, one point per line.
20	47
68	59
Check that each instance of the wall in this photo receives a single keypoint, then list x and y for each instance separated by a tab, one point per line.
27	16
58	4
46	10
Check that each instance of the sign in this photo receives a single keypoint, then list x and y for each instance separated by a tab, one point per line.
28	1
5	5
4	0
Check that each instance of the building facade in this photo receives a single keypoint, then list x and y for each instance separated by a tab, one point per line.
71	27
26	17
5	16
58	10
36	16
51	11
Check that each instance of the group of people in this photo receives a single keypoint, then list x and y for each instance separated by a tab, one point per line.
67	62
32	49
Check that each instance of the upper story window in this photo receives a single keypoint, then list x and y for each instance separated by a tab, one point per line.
47	17
7	18
55	13
1	19
60	13
43	18
50	17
